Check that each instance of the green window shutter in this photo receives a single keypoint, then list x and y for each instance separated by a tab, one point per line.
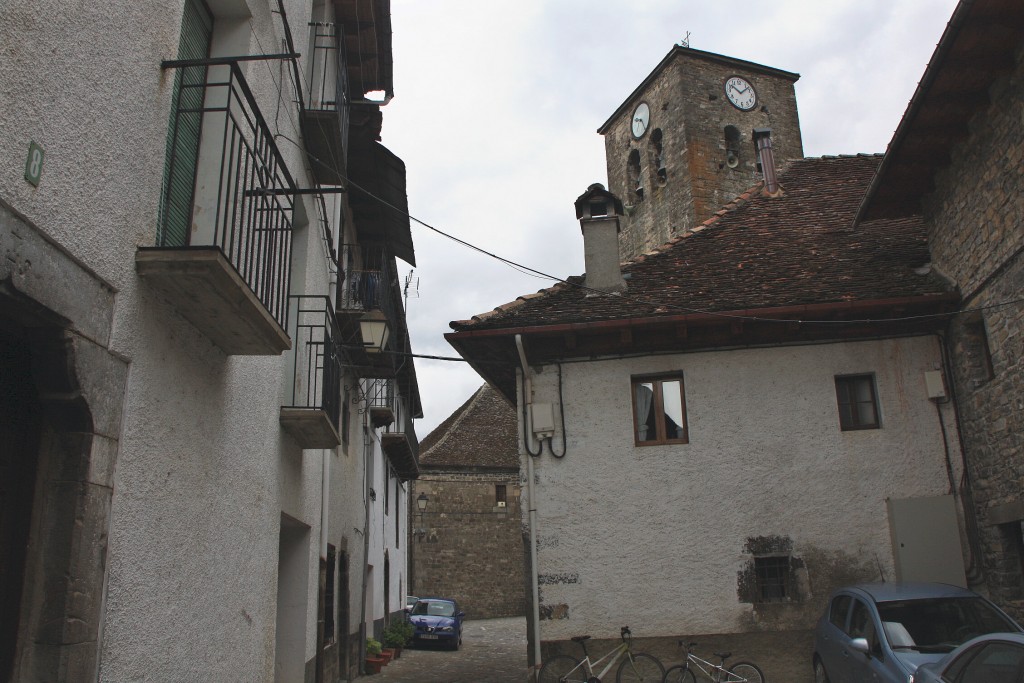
184	128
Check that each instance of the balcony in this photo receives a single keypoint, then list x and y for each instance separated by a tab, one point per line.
400	444
325	121
381	397
368	291
312	417
223	249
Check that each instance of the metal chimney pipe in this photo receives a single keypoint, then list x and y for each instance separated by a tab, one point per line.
763	140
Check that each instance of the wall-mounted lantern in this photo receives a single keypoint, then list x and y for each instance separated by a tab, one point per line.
374	328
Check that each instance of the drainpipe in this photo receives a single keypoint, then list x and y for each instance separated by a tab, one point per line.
325	486
531	501
368	472
325	473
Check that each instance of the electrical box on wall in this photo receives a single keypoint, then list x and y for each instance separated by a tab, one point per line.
542	417
934	385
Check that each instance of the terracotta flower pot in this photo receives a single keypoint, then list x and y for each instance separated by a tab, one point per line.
373	664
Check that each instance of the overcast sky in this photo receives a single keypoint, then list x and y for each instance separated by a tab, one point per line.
497	103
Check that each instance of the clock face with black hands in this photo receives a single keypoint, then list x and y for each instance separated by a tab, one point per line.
740	93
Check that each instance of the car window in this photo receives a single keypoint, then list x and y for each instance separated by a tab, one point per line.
434	609
837	612
863	626
939	624
997	662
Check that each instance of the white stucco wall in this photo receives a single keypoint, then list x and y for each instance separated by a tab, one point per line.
654	537
204	470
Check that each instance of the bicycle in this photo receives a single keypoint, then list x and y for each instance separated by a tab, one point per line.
635	668
740	672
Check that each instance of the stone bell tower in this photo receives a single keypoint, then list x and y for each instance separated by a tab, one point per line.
682	144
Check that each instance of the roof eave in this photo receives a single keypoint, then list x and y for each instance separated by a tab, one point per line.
709	56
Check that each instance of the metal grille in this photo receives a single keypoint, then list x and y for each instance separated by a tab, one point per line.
316	381
772	578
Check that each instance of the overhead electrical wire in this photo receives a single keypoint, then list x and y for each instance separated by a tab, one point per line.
533	272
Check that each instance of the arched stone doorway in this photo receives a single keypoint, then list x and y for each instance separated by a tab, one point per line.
60	403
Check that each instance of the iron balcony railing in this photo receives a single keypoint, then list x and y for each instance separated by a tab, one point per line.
326	119
403	425
317	365
381	393
327	82
226	183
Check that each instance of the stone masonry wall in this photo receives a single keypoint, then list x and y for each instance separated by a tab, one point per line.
689	108
977	236
464	546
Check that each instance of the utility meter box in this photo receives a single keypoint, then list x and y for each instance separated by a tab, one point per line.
934	385
542	417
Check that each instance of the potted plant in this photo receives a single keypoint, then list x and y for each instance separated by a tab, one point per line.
397	635
373	659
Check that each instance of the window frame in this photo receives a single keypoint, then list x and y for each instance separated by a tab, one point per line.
658	405
853	422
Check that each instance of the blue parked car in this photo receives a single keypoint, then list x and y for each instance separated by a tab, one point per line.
437	620
885	631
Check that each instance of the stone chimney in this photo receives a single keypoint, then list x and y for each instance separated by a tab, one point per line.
766	158
598	211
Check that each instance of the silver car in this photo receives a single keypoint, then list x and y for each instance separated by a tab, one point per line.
995	658
885	631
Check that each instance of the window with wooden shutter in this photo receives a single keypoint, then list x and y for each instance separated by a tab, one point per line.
184	128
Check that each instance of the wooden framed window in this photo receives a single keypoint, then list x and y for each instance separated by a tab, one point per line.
858	402
659	410
500	495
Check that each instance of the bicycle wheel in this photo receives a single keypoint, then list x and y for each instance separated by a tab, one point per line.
643	669
680	673
745	672
557	668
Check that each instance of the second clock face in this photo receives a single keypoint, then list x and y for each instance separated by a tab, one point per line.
741	93
641	120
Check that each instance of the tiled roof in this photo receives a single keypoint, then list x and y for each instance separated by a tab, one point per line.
757	252
481	433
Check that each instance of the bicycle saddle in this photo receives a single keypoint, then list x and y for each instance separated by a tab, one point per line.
723	655
579	639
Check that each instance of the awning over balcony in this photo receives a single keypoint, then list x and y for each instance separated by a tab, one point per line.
367	41
376	171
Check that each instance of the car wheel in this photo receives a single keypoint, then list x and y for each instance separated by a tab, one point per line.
820	675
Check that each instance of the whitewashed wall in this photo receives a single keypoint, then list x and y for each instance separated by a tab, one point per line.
204	471
654	537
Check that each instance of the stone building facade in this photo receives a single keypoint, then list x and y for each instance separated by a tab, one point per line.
976	233
467	543
679	148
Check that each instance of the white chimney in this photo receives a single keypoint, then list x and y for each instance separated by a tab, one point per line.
599	212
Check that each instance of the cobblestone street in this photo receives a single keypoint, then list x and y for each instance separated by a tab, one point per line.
493	651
